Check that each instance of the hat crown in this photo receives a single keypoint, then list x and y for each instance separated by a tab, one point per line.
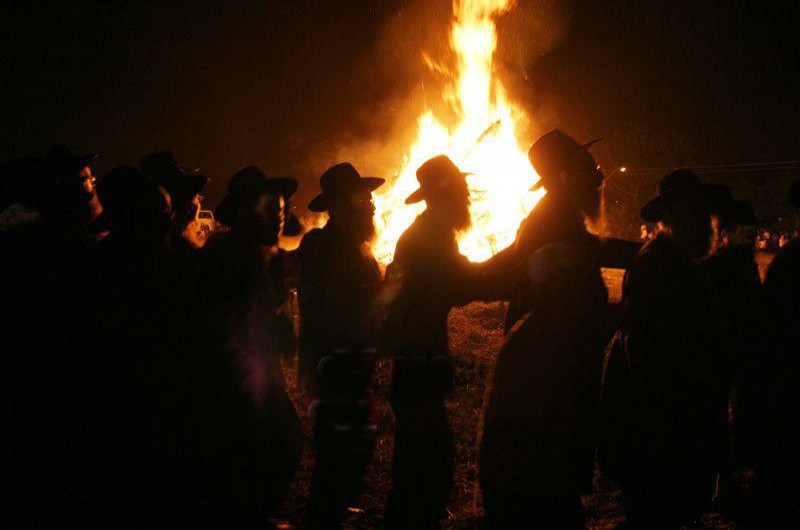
551	153
437	167
62	160
680	179
338	176
158	162
245	179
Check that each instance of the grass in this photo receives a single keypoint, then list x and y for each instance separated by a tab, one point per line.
476	334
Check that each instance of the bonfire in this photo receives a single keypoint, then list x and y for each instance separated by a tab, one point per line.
484	143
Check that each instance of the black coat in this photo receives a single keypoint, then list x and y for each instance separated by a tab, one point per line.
540	421
338	280
666	380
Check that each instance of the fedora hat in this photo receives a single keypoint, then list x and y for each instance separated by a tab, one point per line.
681	185
435	174
742	213
180	182
247	183
338	181
551	153
123	192
60	160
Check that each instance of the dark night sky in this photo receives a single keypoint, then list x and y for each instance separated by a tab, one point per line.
286	84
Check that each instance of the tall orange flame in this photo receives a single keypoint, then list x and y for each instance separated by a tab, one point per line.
483	143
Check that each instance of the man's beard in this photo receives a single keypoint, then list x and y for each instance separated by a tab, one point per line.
463	220
596	219
361	227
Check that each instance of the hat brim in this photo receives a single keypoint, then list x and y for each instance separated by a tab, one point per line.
320	203
86	160
655	210
741	213
285	186
540	183
419	195
416	197
192	184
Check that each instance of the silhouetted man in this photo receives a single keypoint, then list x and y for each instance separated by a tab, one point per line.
45	246
777	389
733	273
537	452
338	279
428	274
130	445
665	389
248	432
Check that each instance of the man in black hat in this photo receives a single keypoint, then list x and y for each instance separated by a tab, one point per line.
248	430
427	278
183	186
537	452
777	389
129	406
45	244
338	279
666	381
237	188
557	157
734	276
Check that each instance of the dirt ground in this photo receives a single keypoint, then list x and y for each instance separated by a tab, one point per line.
475	338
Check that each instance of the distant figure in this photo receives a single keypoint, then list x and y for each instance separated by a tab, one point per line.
776	417
183	186
666	381
537	453
734	276
247	430
337	284
429	276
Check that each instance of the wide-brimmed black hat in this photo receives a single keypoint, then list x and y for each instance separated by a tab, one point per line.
551	153
681	185
434	175
61	161
180	182
246	184
122	193
742	213
338	181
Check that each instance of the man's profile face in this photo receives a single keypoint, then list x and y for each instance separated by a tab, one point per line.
268	218
453	201
356	212
87	179
584	184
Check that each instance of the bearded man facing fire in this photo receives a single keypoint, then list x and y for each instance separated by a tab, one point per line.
537	452
338	280
426	279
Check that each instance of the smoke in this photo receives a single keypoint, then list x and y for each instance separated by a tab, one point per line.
527	33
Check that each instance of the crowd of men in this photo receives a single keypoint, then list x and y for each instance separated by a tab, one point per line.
144	383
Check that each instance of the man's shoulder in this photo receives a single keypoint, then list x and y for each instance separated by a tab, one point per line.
312	239
657	258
